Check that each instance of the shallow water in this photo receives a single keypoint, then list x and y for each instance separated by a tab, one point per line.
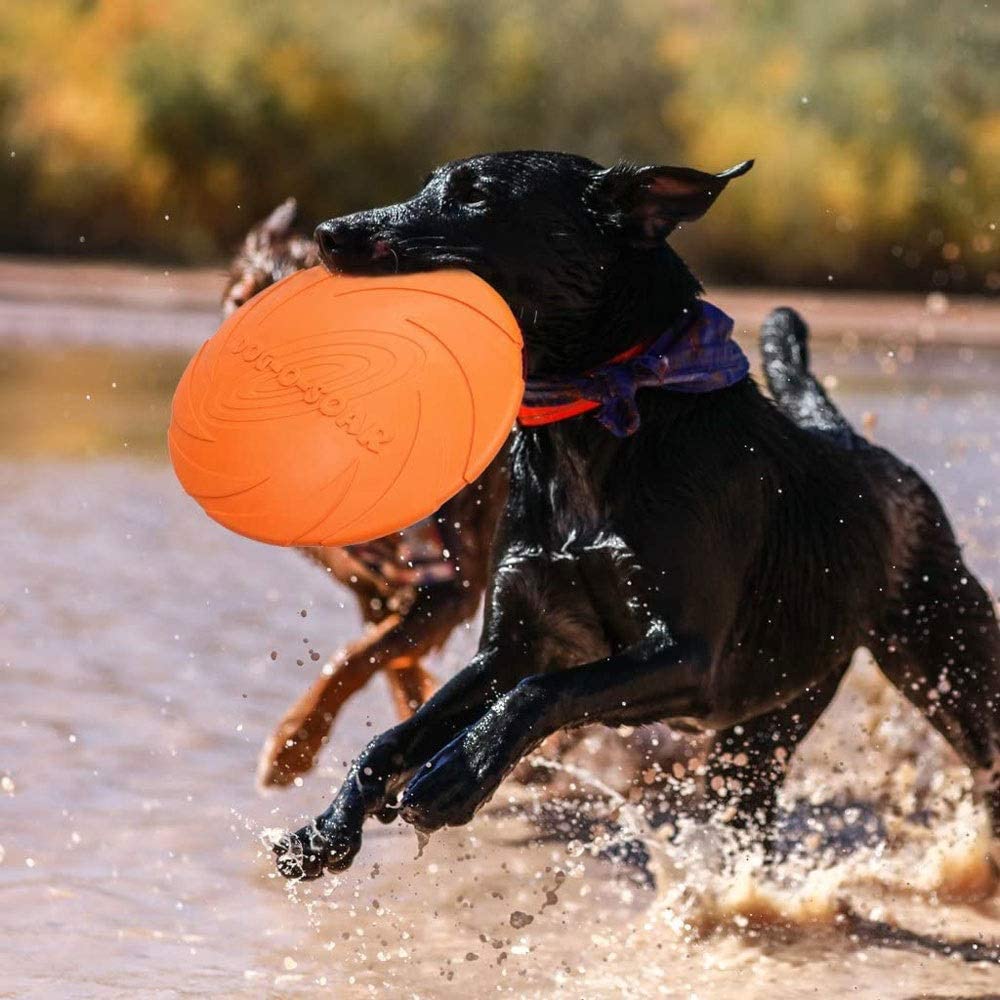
135	641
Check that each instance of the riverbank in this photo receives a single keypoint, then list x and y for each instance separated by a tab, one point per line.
50	300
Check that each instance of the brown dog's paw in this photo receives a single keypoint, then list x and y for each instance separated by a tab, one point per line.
291	750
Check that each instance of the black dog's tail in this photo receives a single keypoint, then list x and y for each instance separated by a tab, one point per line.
785	352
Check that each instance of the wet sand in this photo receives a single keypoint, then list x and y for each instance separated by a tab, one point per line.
135	641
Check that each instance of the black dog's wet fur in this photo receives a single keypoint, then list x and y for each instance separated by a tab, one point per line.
717	569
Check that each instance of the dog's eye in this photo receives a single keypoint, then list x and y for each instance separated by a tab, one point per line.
473	196
465	190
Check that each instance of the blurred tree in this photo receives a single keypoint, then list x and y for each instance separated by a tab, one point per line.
165	129
877	132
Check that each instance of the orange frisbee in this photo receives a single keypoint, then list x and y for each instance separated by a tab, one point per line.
333	409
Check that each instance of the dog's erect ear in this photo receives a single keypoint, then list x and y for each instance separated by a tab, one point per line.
279	223
651	201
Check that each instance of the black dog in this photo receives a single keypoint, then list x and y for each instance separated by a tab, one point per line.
717	568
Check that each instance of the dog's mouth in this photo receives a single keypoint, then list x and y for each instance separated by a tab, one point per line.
404	260
387	253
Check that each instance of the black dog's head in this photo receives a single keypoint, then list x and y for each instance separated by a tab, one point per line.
578	251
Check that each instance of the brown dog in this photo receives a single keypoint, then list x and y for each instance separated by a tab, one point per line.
413	588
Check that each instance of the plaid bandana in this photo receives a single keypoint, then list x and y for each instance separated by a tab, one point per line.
696	354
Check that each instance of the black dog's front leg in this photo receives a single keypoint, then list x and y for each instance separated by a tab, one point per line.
332	841
653	680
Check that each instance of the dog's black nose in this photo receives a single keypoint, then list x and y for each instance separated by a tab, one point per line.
347	243
335	238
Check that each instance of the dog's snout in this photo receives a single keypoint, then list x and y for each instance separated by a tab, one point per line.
334	237
343	242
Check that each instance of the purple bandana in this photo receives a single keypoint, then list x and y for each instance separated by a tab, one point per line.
696	354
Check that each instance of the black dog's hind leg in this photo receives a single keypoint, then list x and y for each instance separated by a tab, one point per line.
748	763
655	679
332	841
940	645
785	354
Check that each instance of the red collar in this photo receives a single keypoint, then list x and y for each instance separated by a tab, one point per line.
536	416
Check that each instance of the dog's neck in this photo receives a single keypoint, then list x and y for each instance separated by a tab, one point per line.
641	294
565	467
559	469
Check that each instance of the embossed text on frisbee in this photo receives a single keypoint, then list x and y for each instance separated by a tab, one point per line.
329	402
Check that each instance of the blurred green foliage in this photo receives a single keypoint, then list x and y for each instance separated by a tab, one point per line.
165	128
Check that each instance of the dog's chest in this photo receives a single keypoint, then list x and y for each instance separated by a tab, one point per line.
566	580
573	604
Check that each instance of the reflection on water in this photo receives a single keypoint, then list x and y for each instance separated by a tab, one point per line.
134	652
81	402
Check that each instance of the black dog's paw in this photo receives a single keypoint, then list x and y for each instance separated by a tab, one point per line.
301	855
308	853
449	790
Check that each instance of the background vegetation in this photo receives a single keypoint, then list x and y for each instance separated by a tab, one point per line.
163	129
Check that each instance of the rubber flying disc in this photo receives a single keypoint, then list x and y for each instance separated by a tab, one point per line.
332	409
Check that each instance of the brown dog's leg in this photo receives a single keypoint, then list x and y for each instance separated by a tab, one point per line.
396	645
292	747
409	684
